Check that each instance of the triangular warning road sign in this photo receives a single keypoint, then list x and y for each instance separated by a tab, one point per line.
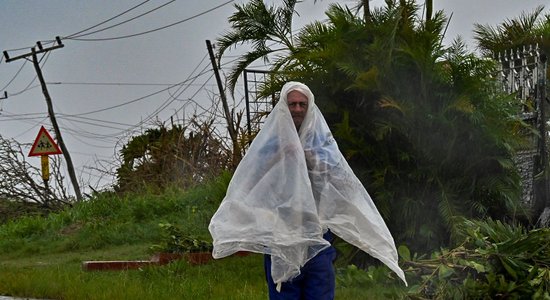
44	144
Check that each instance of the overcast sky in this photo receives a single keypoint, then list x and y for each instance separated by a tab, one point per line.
106	88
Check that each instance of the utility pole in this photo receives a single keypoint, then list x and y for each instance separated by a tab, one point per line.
228	117
33	53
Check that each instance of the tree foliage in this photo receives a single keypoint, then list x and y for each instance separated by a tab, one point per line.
258	25
181	155
530	28
493	261
21	181
421	125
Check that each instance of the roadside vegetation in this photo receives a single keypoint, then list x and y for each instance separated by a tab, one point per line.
41	257
424	126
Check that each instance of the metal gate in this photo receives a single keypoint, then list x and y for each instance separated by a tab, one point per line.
523	72
257	108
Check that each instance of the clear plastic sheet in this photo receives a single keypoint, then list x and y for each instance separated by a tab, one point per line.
289	189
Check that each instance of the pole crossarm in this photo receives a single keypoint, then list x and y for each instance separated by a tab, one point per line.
40	50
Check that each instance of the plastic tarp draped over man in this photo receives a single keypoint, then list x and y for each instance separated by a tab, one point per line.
290	188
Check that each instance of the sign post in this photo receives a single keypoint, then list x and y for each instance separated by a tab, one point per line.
43	146
45	167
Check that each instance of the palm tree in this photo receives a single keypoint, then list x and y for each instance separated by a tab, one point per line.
404	111
268	30
527	29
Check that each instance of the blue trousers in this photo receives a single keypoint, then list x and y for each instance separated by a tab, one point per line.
315	282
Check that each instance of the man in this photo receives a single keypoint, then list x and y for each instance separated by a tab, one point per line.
292	187
316	279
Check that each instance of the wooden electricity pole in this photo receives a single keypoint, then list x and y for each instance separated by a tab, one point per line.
228	116
33	53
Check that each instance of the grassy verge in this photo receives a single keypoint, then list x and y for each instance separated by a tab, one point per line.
61	277
41	256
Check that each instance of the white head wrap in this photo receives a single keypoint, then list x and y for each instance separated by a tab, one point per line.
289	189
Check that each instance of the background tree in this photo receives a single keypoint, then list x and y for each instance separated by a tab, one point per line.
527	29
181	155
262	28
420	124
22	182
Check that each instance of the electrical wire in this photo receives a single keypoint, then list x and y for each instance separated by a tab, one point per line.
108	20
91	119
13	78
111	83
45	58
125	103
140	98
162	107
190	100
25	114
152	30
12	118
89	123
123	22
34	126
84	30
185	85
182	87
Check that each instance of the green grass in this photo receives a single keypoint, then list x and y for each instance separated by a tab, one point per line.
229	278
60	276
41	257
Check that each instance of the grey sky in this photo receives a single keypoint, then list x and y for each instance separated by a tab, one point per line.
153	60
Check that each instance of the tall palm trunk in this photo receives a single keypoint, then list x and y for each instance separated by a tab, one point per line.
366	11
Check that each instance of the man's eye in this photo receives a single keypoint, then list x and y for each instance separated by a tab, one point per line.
296	104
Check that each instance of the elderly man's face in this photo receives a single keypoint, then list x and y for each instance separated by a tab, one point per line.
297	103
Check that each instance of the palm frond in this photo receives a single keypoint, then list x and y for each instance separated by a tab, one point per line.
243	63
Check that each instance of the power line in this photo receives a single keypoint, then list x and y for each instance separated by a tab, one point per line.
156	111
185	84
123	22
34	125
83	30
77	135
22	115
137	99
91	119
112	83
13	78
152	30
45	57
71	119
165	104
19	118
182	87
108	20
